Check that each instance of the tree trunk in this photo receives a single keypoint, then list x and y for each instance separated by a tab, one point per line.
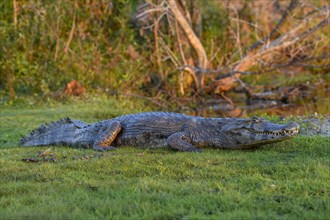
193	39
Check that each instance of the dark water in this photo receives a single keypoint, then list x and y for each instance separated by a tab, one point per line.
315	100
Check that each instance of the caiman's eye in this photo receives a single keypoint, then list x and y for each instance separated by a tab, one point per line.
256	120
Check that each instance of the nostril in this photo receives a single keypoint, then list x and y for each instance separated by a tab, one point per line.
291	125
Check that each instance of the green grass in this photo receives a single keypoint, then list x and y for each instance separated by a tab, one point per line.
287	180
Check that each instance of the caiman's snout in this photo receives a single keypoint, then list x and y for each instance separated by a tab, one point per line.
263	132
270	131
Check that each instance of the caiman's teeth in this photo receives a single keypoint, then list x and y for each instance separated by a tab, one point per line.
278	133
291	132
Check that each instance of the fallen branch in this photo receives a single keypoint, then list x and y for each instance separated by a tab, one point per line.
266	54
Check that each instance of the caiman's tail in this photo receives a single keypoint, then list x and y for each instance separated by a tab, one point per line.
54	133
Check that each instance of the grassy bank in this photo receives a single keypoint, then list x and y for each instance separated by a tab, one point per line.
286	180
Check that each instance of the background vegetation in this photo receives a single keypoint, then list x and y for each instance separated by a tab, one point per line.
112	46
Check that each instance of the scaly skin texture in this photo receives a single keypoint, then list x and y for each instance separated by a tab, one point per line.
160	129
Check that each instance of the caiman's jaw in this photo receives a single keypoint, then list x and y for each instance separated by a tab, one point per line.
258	131
282	133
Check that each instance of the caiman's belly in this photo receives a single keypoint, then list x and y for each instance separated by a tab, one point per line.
151	134
141	141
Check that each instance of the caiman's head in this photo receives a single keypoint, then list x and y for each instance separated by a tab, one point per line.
257	131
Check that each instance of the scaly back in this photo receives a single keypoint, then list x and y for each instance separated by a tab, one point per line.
53	133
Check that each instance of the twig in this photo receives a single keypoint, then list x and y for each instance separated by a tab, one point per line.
180	43
73	27
215	55
169	52
160	7
157	21
57	47
238	36
183	58
293	4
157	53
15	13
215	71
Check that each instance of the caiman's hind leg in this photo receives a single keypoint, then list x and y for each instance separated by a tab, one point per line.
180	142
106	136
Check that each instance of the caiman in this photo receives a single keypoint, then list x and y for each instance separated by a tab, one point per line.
160	129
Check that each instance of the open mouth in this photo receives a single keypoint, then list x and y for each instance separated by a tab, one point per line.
290	132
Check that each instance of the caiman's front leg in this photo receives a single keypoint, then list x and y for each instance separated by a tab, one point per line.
180	142
106	136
